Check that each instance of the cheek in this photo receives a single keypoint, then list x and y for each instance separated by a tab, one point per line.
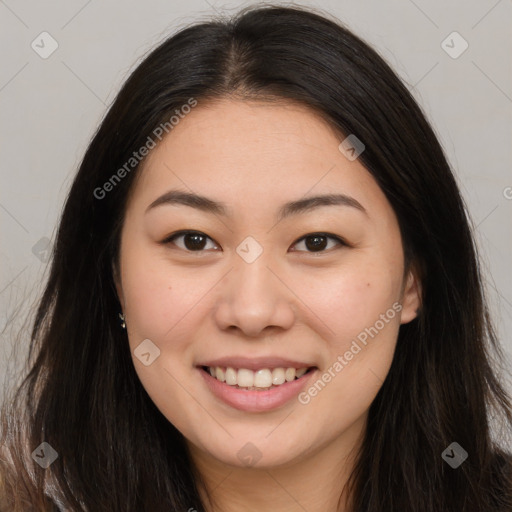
346	301
156	297
362	313
360	320
158	304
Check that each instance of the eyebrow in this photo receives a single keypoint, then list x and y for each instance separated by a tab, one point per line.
205	204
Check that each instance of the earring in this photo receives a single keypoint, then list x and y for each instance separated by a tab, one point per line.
123	323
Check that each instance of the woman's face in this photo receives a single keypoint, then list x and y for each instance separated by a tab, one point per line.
254	290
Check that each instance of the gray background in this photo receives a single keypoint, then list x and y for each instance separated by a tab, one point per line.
51	107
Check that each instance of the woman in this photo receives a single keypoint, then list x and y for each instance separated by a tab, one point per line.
264	295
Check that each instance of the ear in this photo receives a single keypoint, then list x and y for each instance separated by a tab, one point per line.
411	297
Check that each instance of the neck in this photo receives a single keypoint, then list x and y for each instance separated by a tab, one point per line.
316	482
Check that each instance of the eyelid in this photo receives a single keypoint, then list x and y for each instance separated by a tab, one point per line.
341	242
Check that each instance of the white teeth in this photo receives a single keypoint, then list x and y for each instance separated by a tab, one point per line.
263	379
299	373
245	378
231	377
278	376
260	379
289	374
219	374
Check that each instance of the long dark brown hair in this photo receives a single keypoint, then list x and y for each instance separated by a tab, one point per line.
81	395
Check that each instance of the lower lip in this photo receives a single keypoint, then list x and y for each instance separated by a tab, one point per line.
256	401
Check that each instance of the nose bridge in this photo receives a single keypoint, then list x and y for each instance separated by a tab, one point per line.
255	273
253	298
253	284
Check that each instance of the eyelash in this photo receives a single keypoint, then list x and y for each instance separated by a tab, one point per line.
170	239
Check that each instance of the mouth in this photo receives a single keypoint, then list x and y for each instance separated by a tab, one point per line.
258	390
262	379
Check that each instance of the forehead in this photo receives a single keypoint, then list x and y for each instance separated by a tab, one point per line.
254	152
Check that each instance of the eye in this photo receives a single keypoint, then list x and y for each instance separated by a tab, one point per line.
193	240
317	242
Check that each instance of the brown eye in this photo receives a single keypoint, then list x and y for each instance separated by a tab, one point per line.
192	241
318	242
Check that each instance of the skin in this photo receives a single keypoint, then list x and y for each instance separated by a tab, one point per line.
292	300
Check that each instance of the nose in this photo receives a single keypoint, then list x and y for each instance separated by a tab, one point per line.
254	297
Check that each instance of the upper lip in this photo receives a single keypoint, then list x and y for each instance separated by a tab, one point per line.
256	363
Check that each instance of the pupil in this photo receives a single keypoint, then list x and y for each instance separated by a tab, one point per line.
318	242
196	243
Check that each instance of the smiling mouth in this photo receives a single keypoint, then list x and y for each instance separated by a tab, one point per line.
259	380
